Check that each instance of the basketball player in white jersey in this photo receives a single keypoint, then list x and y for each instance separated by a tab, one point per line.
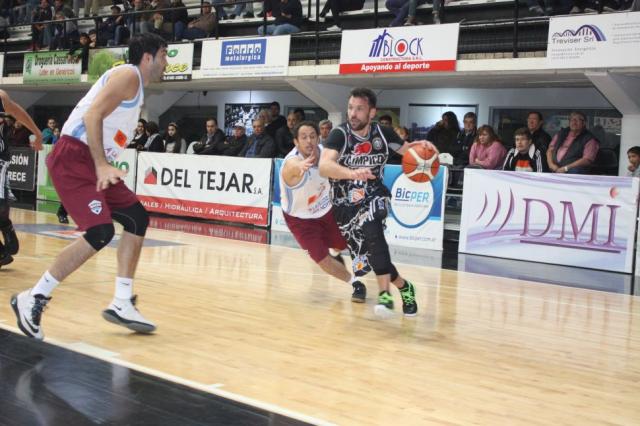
98	129
306	205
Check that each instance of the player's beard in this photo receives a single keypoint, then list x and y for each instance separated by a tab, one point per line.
357	125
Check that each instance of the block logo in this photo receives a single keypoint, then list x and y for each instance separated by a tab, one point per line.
151	176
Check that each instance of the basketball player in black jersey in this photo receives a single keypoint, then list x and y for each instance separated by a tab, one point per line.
8	106
353	159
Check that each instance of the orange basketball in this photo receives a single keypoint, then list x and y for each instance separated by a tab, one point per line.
420	164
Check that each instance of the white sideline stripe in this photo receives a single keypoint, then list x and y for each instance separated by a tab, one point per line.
91	350
212	389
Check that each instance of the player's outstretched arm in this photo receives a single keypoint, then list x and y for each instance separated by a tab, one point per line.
22	116
122	85
329	167
294	169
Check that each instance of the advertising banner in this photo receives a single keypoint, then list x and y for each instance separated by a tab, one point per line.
417	209
179	62
101	60
594	41
127	162
574	220
219	188
245	57
51	67
22	169
424	48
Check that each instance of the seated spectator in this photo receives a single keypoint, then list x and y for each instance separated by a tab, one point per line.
284	136
212	142
270	8
445	133
64	34
402	10
219	7
156	19
299	112
465	139
288	21
260	144
140	137
239	10
20	135
337	7
411	14
573	149
633	154
385	121
154	143
94	41
235	142
200	27
525	157
539	137
41	33
487	152
179	15
113	29
47	132
271	127
137	23
83	46
325	128
56	135
276	120
174	143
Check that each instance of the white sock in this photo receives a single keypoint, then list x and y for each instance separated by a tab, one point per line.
46	285
124	288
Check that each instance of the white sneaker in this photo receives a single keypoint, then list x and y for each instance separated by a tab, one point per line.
334	28
28	310
383	312
124	312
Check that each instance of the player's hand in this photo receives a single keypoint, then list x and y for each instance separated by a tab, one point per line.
108	175
307	163
362	174
425	144
35	141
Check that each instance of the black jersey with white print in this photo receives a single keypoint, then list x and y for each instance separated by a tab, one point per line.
371	151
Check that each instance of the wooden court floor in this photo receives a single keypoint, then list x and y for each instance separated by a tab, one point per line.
264	323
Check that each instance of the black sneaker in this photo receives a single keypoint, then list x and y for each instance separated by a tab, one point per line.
5	257
408	294
63	218
359	292
10	239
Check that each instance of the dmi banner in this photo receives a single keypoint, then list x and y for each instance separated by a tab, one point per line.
245	57
575	220
417	209
424	48
593	41
220	188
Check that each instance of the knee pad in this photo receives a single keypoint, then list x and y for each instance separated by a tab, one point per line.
134	219
379	256
4	213
99	236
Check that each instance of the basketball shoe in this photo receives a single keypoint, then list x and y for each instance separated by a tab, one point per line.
384	308
408	294
10	239
28	310
359	292
5	257
124	312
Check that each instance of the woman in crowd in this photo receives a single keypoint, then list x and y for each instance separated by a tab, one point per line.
140	138
487	151
155	143
175	144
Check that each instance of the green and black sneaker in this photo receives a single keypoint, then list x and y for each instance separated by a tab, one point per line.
384	308
409	305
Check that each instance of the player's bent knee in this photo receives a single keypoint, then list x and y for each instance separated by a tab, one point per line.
134	219
99	236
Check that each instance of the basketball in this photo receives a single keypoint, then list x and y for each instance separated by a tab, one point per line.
420	164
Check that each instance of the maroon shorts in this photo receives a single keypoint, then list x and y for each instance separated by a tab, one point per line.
73	174
316	236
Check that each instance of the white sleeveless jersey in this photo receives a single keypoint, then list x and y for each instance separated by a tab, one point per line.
310	197
118	127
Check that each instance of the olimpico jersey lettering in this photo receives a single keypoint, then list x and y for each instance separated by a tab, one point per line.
371	151
310	198
118	127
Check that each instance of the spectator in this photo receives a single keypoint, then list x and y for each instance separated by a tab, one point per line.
573	149
299	112
140	137
633	154
402	9
284	136
41	33
525	157
411	13
174	143
64	34
47	132
260	144
91	7
94	41
219	7
464	141
235	142
113	29
20	135
83	45
156	19
239	10
444	134
276	120
270	127
200	27
56	135
288	21
487	151
154	143
212	143
270	8
137	22
325	128
385	121
337	7
539	137
179	15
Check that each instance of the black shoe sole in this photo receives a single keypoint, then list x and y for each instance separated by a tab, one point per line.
14	306
358	299
111	316
6	260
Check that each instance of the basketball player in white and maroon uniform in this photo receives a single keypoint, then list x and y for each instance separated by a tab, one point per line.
353	159
97	131
306	205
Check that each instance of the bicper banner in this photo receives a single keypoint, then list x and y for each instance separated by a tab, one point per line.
220	188
51	67
424	48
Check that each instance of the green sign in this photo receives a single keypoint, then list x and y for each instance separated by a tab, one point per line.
102	60
51	67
